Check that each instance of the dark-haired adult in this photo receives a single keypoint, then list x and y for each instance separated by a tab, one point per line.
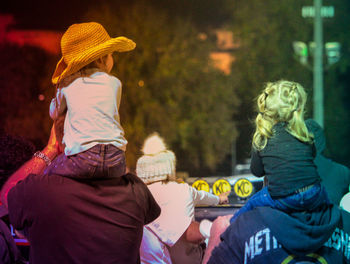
97	219
335	176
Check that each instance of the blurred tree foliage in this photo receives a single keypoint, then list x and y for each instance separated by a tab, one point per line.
170	86
337	84
266	31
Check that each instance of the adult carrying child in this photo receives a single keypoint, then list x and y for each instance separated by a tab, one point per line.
283	152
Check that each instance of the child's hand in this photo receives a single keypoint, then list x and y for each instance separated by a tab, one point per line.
224	198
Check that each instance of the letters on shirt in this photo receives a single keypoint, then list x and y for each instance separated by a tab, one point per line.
262	242
259	243
340	241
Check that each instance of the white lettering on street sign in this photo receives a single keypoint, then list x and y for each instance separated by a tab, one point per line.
309	11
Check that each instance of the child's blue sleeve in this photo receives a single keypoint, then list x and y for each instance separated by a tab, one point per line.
58	105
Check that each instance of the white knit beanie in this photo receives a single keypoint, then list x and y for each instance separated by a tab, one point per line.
157	163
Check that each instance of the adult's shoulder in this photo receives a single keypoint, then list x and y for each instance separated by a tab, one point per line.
137	184
143	197
27	188
133	178
31	179
238	235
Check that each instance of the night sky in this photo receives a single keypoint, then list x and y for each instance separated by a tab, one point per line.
58	15
52	15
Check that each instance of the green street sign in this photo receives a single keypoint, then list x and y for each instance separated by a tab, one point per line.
309	11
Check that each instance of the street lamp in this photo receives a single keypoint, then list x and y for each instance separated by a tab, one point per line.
333	52
317	12
301	52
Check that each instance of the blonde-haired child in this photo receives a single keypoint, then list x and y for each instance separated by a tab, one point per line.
283	152
89	97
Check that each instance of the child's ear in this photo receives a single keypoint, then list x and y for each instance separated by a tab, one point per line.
99	62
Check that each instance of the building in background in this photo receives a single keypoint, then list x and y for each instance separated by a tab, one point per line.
223	57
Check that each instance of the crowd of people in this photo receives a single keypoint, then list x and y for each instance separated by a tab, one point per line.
76	202
291	220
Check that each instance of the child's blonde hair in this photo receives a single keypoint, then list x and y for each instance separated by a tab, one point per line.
281	101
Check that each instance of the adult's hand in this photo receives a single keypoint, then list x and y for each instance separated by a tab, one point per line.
220	224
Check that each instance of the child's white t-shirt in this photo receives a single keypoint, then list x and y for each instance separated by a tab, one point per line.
177	202
92	117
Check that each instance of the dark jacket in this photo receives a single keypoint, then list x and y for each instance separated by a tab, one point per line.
286	162
335	177
82	220
266	235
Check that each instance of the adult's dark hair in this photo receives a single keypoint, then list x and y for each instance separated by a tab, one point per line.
14	152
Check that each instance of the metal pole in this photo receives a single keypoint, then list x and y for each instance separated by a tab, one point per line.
318	65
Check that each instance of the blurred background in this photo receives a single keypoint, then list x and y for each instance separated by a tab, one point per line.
194	76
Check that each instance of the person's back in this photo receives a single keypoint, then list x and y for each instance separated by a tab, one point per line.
266	235
166	240
283	152
178	201
92	115
335	176
283	148
82	220
287	163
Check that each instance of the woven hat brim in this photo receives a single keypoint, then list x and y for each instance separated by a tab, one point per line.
119	44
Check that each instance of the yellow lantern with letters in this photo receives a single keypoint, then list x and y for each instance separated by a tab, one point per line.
243	188
221	186
201	185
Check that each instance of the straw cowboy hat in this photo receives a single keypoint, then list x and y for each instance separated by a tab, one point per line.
84	43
